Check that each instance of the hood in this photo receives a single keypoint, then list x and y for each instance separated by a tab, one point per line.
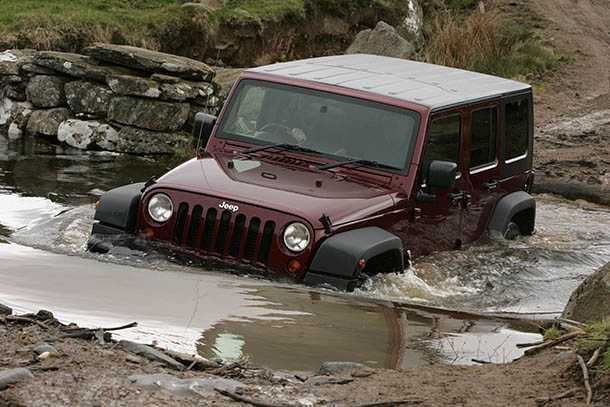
298	190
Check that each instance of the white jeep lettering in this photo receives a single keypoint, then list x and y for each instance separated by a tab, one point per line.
229	207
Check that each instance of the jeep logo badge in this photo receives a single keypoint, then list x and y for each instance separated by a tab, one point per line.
229	207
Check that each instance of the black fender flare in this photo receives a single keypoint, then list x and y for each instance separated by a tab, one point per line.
336	261
507	207
117	210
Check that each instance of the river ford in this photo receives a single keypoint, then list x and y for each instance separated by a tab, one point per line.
46	208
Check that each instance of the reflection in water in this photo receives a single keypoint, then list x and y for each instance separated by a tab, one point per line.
345	329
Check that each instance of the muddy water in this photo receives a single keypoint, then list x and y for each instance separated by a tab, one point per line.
46	207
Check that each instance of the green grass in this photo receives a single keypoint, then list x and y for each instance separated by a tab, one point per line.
259	10
597	334
70	24
552	333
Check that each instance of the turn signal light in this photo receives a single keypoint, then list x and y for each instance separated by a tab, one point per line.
148	233
294	266
361	264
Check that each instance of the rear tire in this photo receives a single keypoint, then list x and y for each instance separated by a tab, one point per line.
512	231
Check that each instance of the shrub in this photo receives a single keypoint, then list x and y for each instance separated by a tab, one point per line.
487	42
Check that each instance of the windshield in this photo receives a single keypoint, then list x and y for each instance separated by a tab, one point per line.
340	127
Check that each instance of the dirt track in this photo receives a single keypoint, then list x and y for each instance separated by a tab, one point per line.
580	30
572	157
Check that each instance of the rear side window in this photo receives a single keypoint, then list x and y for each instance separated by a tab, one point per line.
444	139
483	137
517	129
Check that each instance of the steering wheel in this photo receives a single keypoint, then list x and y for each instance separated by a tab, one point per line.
276	133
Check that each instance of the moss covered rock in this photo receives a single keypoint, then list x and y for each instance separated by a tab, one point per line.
591	300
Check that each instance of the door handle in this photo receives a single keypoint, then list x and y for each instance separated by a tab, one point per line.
491	185
462	197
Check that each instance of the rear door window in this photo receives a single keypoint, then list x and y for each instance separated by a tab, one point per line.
483	138
517	129
444	139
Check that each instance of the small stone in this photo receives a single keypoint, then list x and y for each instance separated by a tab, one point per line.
148	114
14	132
134	359
150	353
13	376
126	85
88	98
330	368
45	355
46	91
185	386
44	348
46	122
34	69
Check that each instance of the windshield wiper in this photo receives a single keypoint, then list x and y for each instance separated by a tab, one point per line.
280	146
368	163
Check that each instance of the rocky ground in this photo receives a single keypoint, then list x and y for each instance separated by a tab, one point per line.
46	363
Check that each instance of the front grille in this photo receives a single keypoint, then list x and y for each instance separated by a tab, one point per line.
223	233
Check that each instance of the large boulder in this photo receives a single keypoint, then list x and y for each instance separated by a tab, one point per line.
591	300
148	114
151	61
139	141
78	66
46	122
46	91
85	134
88	98
383	40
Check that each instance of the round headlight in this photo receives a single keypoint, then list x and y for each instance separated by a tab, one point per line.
296	237
160	208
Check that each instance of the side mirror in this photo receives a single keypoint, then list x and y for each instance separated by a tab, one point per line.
441	174
202	128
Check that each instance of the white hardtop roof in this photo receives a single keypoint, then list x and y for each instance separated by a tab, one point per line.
433	86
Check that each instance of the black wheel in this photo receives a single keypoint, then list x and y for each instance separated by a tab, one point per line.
512	231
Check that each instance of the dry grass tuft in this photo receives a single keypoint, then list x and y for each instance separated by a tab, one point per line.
487	42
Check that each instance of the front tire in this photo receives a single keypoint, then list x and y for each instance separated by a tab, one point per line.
512	231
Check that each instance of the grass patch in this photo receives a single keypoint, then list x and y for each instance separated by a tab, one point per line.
71	24
552	333
260	10
597	335
489	42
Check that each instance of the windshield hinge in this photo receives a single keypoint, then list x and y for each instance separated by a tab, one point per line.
327	223
148	183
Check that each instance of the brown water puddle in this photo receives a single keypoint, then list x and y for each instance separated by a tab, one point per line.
229	317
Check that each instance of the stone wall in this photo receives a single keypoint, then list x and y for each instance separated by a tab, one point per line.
114	98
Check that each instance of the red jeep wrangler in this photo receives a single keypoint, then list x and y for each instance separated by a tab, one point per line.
333	169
